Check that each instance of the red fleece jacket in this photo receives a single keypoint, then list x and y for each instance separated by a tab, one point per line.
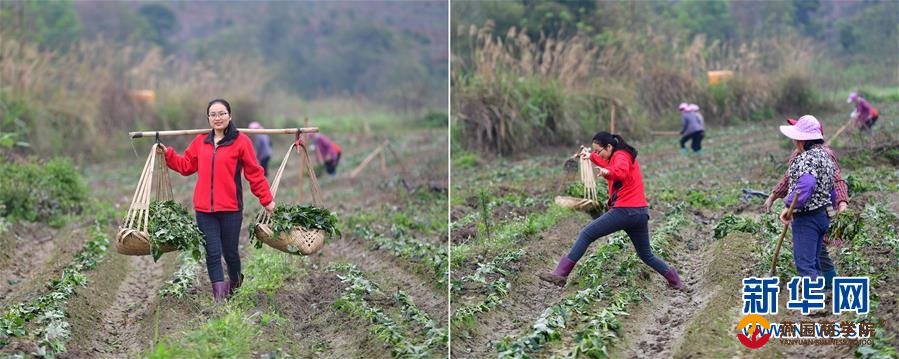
219	187
624	173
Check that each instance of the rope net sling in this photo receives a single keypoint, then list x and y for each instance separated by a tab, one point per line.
589	202
300	240
588	179
133	237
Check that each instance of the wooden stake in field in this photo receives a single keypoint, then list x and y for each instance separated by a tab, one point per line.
783	234
379	151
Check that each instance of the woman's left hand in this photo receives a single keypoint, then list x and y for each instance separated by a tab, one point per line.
603	172
270	208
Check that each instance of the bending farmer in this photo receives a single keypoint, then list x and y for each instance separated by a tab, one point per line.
618	164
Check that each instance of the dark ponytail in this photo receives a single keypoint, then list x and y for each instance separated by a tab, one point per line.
604	138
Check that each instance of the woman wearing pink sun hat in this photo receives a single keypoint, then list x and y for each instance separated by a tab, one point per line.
812	179
842	203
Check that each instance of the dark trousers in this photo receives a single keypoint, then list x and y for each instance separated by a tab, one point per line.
634	222
808	242
222	232
264	163
331	165
696	138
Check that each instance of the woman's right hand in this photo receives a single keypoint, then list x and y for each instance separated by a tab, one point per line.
786	216
161	149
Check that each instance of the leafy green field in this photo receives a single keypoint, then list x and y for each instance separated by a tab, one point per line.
701	223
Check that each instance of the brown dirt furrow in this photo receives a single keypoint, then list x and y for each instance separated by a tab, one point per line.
119	334
40	254
528	295
656	329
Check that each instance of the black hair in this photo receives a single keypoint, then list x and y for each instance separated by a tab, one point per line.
604	138
809	144
221	101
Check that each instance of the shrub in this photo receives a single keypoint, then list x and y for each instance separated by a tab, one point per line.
40	191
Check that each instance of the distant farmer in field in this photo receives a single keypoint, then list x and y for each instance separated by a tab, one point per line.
218	157
263	146
864	115
811	175
692	129
629	211
327	152
841	199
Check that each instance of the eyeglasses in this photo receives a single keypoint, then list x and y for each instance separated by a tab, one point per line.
220	114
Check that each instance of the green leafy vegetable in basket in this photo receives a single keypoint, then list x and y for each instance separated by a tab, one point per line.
845	226
172	225
575	189
309	217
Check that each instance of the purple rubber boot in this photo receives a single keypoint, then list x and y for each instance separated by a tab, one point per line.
674	281
559	276
232	286
219	291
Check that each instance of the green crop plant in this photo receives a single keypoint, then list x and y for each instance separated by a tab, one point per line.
183	278
49	309
548	326
431	256
465	315
731	223
845	226
601	328
353	302
496	266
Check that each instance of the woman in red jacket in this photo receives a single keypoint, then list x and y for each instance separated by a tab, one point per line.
618	164
218	157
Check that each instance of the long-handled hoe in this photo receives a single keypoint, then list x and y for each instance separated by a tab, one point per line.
782	235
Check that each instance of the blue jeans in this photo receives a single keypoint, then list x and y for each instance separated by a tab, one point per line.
634	222
222	232
808	242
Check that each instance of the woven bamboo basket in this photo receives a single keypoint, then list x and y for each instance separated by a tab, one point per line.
298	240
133	238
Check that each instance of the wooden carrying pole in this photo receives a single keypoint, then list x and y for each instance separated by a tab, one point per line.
249	131
782	235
